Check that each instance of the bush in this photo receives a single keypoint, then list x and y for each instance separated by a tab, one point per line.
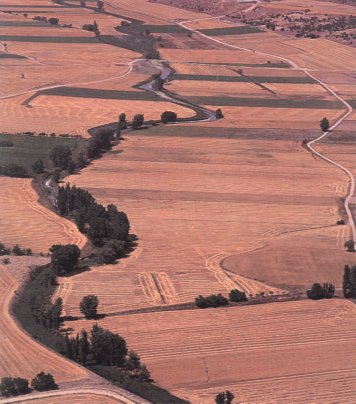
219	114
89	305
318	292
168	116
44	382
137	121
237	296
211	301
53	20
224	398
14	170
349	282
324	124
64	258
13	386
4	250
38	166
350	245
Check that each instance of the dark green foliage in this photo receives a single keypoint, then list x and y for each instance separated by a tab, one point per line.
137	121
340	222
13	386
4	250
89	27
324	124
350	245
349	282
237	296
211	301
168	116
44	382
61	156
325	291
224	398
89	305
230	31
99	142
38	166
64	258
6	143
219	114
105	227
16	250
53	21
107	348
14	170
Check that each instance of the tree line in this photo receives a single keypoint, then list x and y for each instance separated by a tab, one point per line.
15	386
219	300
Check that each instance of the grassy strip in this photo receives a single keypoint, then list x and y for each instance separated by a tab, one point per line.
102	94
28	149
26	24
352	103
11	56
230	31
156	29
242	79
149	391
264	102
50	39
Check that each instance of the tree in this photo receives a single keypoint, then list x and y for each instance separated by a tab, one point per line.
89	305
236	295
318	291
219	114
137	121
64	258
84	347
324	124
168	116
44	382
224	398
53	21
7	387
211	301
350	245
14	170
100	4
16	250
38	166
60	156
349	282
122	121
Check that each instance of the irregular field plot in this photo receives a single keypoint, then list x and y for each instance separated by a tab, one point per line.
194	202
196	353
25	222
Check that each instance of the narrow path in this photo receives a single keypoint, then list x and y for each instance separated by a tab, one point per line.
310	144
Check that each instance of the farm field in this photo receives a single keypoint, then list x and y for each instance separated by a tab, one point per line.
25	222
249	352
35	357
186	228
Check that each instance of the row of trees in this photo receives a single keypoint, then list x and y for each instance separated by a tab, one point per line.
107	228
15	250
14	386
103	347
218	300
324	291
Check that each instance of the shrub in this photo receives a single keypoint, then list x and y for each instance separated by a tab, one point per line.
89	305
168	116
318	292
4	250
224	398
211	301
137	121
324	124
349	282
44	382
60	156
13	386
14	170
38	166
237	296
64	258
53	21
340	222
350	245
6	143
219	114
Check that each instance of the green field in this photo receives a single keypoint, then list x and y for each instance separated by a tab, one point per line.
102	94
264	102
28	149
50	39
242	79
246	29
26	24
156	29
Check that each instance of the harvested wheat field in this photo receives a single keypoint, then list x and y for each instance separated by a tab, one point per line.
191	200
25	222
20	354
279	352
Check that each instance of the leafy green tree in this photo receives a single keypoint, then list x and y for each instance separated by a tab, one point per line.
324	124
53	21
236	295
17	250
349	282
224	397
84	347
7	387
44	382
168	116
4	250
64	258
21	385
138	121
100	4
38	166
211	301
89	306
325	291
60	156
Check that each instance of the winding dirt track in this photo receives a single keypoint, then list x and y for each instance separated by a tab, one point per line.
349	110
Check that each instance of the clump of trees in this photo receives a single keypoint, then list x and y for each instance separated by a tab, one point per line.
324	124
89	306
61	156
6	143
38	166
16	250
219	114
64	258
44	382
168	116
53	21
46	313
211	301
236	295
349	282
91	27
103	347
225	397
318	291
350	245
138	121
107	228
13	386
